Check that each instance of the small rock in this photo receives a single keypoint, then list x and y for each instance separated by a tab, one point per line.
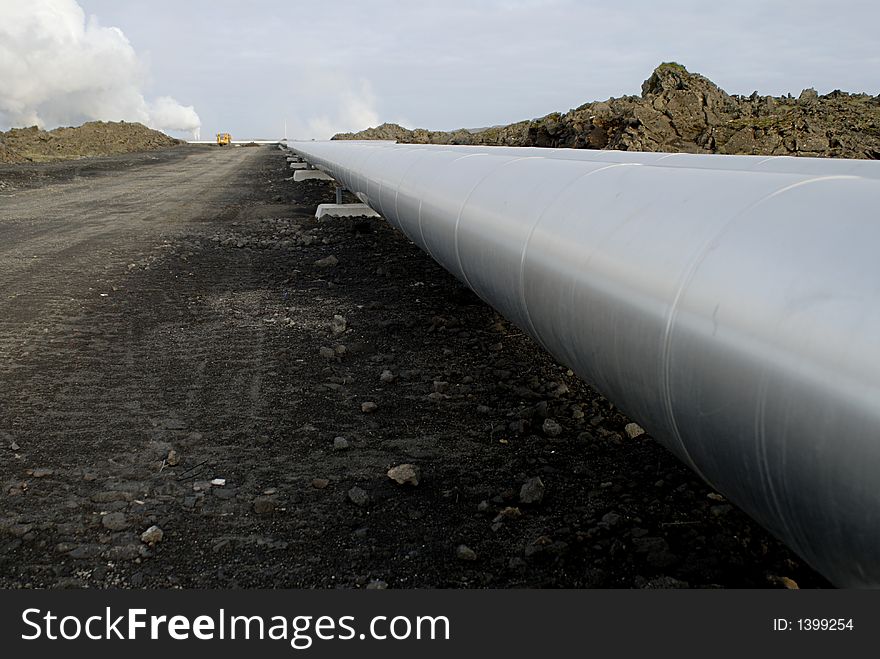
610	519
152	535
404	473
784	582
129	552
109	496
714	496
376	584
115	521
338	325
14	446
465	553
609	436
532	491
387	377
634	430
440	387
551	428
327	262
358	496
537	546
541	409
327	353
340	444
42	473
663	583
320	483
20	530
808	96
218	482
264	505
510	512
173	459
369	407
220	545
340	349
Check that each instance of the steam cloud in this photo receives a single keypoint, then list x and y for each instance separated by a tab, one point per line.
59	68
355	103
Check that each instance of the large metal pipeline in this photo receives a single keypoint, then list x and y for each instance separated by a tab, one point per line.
731	306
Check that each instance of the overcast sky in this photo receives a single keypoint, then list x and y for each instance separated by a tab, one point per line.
329	66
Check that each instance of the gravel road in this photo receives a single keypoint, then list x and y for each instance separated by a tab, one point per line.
193	393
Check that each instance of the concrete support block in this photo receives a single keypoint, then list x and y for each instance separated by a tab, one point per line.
310	175
345	210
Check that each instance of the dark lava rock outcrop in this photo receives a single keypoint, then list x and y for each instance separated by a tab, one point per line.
680	111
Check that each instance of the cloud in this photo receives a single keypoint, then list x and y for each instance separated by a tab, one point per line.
331	102
355	110
59	67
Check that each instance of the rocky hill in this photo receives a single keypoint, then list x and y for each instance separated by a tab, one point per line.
95	138
680	111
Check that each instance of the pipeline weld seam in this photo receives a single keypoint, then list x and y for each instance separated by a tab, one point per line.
686	280
522	258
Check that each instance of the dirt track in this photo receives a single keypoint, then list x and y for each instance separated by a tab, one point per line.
162	322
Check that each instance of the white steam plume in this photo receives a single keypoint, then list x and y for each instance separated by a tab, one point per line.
355	107
59	68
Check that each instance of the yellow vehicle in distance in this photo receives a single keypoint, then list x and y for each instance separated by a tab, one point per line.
223	139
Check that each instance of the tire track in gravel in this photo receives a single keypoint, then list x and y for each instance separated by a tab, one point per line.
83	373
64	244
